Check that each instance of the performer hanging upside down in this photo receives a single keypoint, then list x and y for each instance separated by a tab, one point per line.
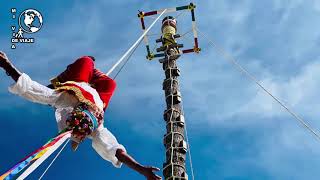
80	95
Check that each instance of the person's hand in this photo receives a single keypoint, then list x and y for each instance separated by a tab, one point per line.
3	55
148	172
8	67
3	59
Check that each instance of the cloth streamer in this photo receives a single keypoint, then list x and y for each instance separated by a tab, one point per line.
31	162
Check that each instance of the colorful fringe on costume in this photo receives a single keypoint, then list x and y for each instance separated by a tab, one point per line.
31	162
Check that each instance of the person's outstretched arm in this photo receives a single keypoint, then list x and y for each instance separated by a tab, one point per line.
147	171
25	86
107	146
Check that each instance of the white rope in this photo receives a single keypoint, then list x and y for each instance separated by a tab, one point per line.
156	34
181	14
54	158
183	35
189	152
126	61
135	44
172	133
250	76
37	163
189	147
185	128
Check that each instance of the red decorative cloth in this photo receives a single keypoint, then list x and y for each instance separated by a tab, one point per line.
82	70
104	85
79	71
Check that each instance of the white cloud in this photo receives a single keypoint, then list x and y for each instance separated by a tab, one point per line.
299	92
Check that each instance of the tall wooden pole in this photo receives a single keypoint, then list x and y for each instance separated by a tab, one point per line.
176	147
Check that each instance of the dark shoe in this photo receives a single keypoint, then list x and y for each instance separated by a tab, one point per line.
74	145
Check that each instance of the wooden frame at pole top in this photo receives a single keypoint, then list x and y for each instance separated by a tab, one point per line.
191	7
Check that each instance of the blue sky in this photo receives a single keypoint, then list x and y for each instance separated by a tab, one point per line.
235	130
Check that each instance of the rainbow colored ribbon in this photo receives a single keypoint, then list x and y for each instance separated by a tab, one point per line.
23	168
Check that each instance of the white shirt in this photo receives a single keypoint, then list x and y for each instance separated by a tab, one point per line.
103	140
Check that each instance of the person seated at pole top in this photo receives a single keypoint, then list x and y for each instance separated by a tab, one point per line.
80	95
